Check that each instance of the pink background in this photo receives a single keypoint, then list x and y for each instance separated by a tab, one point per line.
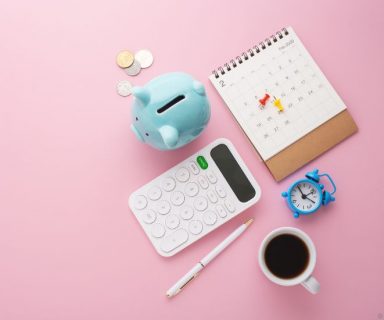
71	249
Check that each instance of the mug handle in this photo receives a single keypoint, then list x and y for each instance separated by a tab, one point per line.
311	284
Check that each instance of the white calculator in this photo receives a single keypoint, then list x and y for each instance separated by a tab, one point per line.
194	197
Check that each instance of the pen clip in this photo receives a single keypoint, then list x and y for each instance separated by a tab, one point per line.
182	287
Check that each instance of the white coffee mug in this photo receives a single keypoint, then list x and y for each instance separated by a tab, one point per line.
305	278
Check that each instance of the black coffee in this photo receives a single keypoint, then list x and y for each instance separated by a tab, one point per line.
286	256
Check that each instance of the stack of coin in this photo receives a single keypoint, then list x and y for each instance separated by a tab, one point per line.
132	65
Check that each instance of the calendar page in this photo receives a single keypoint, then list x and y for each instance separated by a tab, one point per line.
277	93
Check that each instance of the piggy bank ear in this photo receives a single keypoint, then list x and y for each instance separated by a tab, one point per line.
141	94
198	87
137	133
170	135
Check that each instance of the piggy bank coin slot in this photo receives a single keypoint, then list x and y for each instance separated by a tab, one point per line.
171	103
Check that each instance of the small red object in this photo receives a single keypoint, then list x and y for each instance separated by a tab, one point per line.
264	100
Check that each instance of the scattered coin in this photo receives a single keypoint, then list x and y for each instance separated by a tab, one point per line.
124	88
134	69
132	65
144	57
125	59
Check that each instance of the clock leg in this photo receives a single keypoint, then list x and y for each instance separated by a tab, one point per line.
296	214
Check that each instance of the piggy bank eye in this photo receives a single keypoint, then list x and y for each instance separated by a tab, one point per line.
137	119
147	134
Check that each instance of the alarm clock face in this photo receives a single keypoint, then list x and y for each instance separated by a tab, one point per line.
305	196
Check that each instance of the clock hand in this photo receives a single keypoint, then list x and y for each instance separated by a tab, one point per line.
300	191
310	200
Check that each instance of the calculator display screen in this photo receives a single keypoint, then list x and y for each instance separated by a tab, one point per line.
232	172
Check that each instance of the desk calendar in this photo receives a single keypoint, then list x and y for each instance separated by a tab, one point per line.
280	97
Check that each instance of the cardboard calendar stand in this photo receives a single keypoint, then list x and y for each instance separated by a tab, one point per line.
311	145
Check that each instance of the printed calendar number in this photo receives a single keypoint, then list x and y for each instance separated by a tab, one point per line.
222	83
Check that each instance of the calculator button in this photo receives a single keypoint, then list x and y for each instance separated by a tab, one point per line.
148	216
182	174
200	203
203	182
195	227
229	205
221	211
209	218
158	230
211	177
186	212
191	189
174	240
212	196
168	184
220	191
154	193
172	221
140	202
193	167
177	198
163	207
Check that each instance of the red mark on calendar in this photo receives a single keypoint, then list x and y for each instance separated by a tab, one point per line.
264	100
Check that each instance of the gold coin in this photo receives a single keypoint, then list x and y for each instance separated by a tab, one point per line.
125	59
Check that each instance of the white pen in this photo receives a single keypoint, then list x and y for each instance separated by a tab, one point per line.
192	274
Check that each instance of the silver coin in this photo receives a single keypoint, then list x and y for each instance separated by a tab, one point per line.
144	57
134	69
124	88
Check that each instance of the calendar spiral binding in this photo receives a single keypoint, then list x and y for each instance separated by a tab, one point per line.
250	53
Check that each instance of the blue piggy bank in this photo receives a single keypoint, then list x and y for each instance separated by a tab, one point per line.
170	111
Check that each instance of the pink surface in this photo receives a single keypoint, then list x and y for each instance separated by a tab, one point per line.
71	249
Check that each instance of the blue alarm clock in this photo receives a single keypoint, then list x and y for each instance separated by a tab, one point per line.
306	196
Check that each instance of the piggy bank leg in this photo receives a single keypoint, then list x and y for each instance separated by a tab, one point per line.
170	136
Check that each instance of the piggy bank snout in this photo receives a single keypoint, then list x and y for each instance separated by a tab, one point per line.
137	133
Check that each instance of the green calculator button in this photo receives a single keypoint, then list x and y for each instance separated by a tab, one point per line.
202	162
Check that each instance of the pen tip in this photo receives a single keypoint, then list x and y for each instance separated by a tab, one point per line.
248	222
